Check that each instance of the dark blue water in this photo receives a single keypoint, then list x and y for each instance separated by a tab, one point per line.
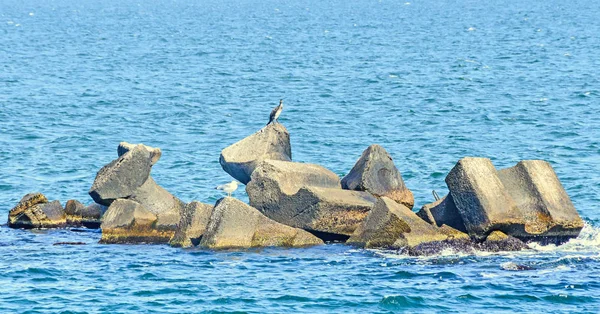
431	81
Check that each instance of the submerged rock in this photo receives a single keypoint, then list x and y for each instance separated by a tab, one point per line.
192	225
375	172
307	196
128	177
234	225
34	211
393	226
270	143
80	215
497	241
127	221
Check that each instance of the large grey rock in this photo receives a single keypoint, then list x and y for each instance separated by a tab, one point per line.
375	172
34	211
192	225
309	197
545	207
270	143
443	212
125	147
482	200
526	201
128	177
393	226
80	215
234	225
127	221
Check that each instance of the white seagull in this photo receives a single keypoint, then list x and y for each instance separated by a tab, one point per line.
276	112
229	187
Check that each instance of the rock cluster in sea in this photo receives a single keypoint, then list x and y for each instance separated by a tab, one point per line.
296	204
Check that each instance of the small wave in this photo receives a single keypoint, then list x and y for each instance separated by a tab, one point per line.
400	302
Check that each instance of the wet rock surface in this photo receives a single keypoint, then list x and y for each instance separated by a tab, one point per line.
128	221
35	212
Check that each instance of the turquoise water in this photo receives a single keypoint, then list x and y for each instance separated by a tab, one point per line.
431	81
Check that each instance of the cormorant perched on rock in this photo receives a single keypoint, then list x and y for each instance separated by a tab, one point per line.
276	112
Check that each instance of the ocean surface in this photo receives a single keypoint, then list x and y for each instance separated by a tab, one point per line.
431	81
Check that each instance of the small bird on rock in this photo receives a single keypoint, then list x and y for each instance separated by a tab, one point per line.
229	187
276	112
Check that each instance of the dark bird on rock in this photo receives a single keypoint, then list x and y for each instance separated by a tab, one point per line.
276	112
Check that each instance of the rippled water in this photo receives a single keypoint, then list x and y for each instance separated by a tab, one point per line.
431	81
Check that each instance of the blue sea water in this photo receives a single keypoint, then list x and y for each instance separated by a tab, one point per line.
431	81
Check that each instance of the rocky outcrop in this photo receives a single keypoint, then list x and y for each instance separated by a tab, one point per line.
34	211
443	212
547	211
526	201
236	225
393	226
270	143
79	215
192	225
307	196
128	221
128	177
375	172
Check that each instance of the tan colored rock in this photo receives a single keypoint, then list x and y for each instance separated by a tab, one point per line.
34	211
453	234
309	197
394	226
127	221
235	225
270	143
192	225
375	172
128	177
545	207
482	200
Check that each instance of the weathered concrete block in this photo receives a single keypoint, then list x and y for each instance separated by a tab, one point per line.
442	212
482	200
375	172
128	177
127	221
80	215
394	226
192	224
234	225
545	207
270	143
34	211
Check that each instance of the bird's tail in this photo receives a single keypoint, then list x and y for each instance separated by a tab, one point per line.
219	187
